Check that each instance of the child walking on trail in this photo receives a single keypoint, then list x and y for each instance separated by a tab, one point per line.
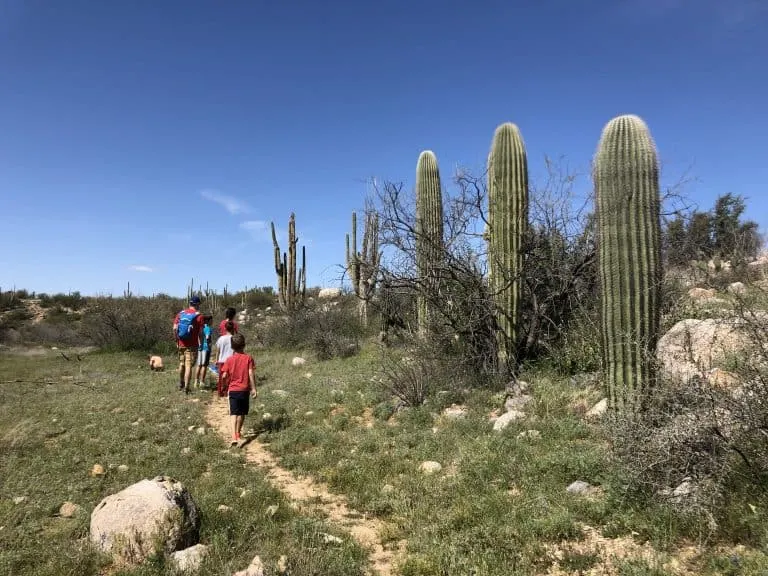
229	316
204	351
222	351
238	373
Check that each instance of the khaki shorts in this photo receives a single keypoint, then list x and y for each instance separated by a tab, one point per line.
187	357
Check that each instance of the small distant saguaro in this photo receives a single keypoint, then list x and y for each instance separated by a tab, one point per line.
291	282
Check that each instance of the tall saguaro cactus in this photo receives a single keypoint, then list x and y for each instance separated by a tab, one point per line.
429	235
507	226
626	175
291	284
363	266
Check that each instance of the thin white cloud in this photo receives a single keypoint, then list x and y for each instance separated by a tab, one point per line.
140	268
229	203
258	229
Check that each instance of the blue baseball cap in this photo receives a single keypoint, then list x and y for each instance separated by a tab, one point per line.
194	300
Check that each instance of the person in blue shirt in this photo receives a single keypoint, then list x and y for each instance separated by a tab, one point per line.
204	351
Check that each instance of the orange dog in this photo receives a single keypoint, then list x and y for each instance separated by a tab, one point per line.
156	364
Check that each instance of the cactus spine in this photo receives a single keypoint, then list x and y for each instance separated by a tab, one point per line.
291	284
429	236
363	266
507	227
629	232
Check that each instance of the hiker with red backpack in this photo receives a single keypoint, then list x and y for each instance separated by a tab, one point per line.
186	329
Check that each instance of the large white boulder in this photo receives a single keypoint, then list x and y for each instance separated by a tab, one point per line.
146	518
693	347
326	293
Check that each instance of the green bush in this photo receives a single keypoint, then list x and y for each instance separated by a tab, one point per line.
73	301
142	324
329	331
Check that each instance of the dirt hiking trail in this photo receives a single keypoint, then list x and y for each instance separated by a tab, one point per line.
305	493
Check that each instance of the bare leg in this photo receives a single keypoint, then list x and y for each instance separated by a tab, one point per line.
239	425
233	424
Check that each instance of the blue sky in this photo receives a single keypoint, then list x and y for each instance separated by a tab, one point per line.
152	142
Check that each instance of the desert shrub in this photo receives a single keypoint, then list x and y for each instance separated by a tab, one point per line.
130	323
578	350
697	447
10	300
260	298
416	372
329	331
14	319
73	301
54	333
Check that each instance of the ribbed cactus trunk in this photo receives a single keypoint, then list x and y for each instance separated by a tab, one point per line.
429	237
363	267
629	239
507	227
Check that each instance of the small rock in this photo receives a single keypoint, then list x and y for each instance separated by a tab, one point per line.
136	423
298	361
186	450
737	288
255	568
189	559
19	499
97	470
331	539
68	510
430	467
271	510
579	487
200	430
308	414
282	564
223	508
516	402
530	434
308	375
455	411
244	493
507	418
387	489
190	428
598	409
122	468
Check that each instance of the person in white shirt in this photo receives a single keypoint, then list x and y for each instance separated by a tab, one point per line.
223	350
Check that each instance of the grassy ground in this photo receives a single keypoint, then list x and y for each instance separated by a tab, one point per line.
52	435
498	506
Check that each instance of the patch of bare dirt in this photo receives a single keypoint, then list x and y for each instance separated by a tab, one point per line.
612	551
34	308
308	494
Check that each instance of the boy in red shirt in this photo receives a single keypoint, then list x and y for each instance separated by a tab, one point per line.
238	374
229	316
186	329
